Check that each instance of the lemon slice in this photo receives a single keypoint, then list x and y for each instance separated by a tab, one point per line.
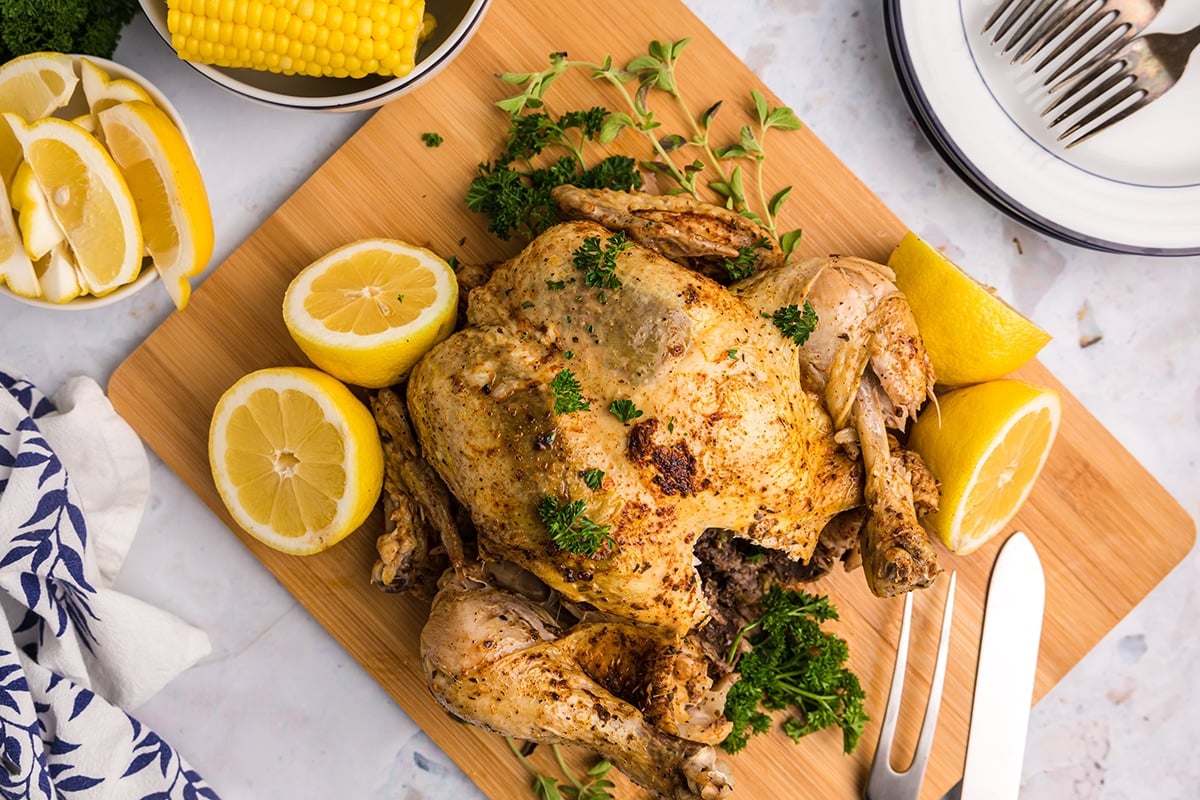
101	91
971	335
368	311
39	232
32	86
87	197
167	188
296	458
16	268
986	444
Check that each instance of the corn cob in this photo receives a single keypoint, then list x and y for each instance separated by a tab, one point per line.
335	38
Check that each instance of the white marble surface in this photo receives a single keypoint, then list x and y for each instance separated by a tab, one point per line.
280	711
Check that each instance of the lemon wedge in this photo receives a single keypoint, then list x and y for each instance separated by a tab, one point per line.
368	311
87	197
102	91
971	335
16	268
296	458
167	188
986	444
39	232
58	277
32	86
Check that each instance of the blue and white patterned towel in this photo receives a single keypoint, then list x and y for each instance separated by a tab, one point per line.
73	484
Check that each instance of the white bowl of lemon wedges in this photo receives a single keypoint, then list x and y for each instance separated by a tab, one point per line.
104	192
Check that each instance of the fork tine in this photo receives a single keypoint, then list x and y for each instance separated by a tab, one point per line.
1105	86
1093	47
1021	7
1115	118
884	783
929	723
1054	24
1084	28
999	12
1097	64
1036	16
1073	91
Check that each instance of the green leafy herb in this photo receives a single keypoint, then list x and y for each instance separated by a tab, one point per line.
795	322
671	425
431	139
571	529
527	304
399	298
599	263
568	354
592	478
681	157
794	664
744	265
515	195
594	785
86	27
568	397
624	410
556	286
732	354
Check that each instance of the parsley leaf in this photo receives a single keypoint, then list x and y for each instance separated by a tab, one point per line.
568	396
624	410
599	262
571	529
744	265
592	478
794	322
794	664
431	139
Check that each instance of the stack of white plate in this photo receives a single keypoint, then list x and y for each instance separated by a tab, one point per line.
1133	188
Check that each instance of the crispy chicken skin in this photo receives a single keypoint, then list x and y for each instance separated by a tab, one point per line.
867	360
498	660
728	436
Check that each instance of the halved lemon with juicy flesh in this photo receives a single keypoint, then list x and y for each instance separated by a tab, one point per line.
971	334
368	311
32	86
88	198
167	188
296	458
986	444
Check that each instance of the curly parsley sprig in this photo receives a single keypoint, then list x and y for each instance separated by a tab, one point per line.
793	663
571	529
794	322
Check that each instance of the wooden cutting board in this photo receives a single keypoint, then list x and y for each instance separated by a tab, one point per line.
1106	530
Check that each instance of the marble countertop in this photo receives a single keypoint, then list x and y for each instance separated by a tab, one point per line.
279	710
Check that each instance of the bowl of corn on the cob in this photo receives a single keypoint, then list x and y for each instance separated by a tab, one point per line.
332	55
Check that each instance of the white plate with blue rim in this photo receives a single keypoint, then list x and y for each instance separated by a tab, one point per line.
1134	188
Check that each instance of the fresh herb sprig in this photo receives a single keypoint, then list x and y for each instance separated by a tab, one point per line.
592	478
594	785
656	72
624	410
571	529
793	663
568	395
794	322
744	265
599	262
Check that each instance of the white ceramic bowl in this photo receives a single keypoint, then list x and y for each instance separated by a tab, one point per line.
76	107
457	20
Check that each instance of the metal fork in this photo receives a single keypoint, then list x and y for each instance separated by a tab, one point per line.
884	783
1123	81
1051	18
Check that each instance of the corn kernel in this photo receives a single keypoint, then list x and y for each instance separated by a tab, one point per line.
321	37
211	7
322	56
304	9
282	18
334	21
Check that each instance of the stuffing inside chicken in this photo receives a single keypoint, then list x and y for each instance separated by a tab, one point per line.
650	453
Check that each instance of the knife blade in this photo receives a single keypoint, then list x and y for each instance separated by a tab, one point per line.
1008	650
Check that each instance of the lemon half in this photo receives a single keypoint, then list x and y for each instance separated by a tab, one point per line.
368	311
32	86
296	458
971	334
986	444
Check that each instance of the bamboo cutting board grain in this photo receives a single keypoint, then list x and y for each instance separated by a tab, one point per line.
1091	505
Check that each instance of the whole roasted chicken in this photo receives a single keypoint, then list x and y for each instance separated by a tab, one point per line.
635	453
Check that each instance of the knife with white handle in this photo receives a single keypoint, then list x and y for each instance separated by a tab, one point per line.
1008	650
